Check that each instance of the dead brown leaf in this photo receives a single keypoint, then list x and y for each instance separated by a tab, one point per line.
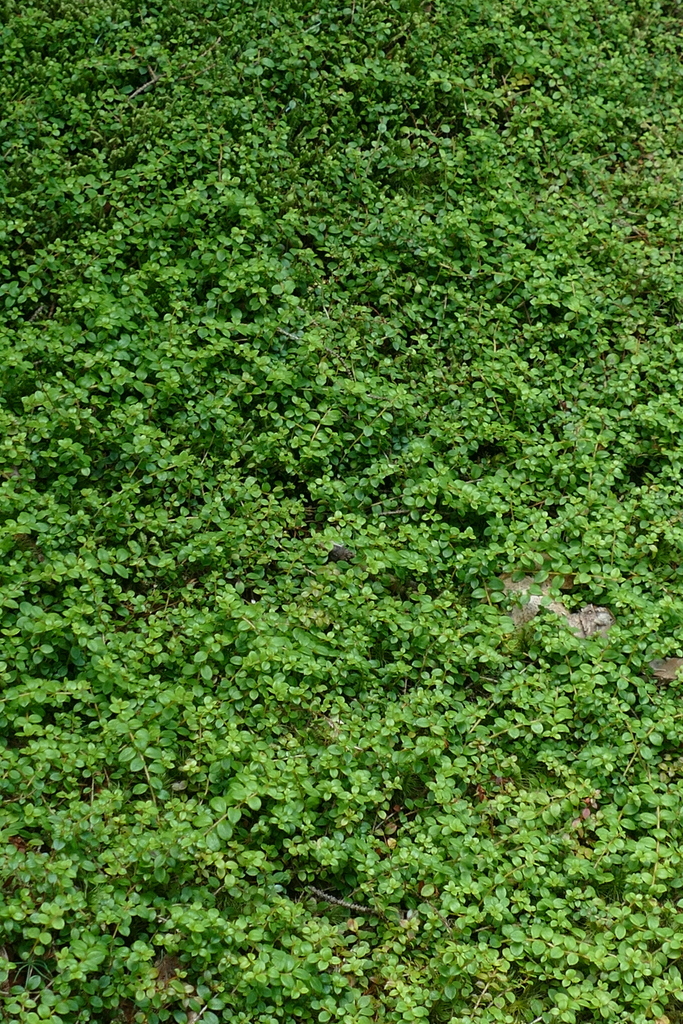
167	967
666	669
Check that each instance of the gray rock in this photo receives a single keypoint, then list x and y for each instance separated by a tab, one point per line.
588	621
339	553
523	613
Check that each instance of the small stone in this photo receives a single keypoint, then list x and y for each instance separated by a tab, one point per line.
522	613
591	620
340	553
586	622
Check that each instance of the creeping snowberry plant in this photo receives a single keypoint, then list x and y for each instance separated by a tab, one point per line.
318	323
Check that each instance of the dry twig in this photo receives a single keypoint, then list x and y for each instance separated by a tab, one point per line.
148	85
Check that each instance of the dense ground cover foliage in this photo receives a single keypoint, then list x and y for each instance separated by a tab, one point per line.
399	276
